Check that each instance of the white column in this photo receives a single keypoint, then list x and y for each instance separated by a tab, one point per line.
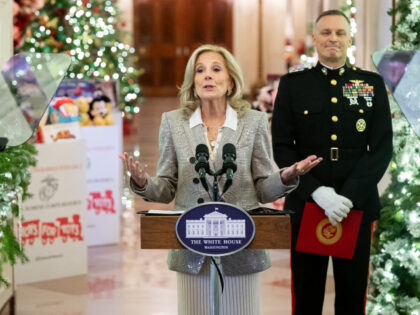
126	9
245	39
331	5
300	21
6	31
372	34
274	37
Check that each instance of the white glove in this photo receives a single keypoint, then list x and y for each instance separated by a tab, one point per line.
336	207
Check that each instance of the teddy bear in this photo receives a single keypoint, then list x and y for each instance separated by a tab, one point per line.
83	105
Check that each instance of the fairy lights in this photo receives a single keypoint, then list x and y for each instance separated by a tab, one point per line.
87	31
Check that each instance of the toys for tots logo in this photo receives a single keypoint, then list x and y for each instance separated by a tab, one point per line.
48	232
101	202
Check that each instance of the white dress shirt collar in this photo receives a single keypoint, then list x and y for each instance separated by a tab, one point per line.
231	120
331	68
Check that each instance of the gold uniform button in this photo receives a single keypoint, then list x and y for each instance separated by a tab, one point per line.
361	111
334	137
333	82
334	100
305	112
334	118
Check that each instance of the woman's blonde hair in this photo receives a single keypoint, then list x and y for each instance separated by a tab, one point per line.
189	100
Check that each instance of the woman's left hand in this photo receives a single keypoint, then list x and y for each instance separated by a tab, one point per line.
289	174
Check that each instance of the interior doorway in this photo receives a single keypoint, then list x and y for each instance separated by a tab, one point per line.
167	31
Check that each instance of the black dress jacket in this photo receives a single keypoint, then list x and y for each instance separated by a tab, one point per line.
343	116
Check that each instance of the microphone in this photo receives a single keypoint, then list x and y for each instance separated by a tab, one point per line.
202	163
229	164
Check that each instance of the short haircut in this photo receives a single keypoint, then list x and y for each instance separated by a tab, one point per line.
189	102
332	12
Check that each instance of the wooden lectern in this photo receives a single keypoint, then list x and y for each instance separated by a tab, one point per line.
271	232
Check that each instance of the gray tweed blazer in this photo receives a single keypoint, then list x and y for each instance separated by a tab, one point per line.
254	181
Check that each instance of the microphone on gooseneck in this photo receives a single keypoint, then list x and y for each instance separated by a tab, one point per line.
202	163
229	164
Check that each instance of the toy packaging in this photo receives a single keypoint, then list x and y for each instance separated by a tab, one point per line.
63	110
88	101
78	103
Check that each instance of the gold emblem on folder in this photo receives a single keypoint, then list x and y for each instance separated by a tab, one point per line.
327	233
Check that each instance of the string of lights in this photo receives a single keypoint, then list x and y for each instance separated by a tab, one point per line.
87	31
350	10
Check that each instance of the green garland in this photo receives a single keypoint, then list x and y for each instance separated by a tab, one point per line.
407	27
14	182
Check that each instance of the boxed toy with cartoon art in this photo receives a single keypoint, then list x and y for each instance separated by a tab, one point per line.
85	102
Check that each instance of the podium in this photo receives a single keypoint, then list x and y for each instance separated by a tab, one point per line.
158	232
267	231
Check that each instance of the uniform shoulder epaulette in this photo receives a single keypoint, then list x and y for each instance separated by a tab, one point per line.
363	71
293	71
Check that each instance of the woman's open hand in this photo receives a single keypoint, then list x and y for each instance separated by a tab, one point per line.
138	174
289	174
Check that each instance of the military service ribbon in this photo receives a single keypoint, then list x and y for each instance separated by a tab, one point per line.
358	89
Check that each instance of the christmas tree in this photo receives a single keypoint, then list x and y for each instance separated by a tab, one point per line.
349	9
14	181
395	276
87	31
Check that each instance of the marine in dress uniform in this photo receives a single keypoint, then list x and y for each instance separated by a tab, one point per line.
343	116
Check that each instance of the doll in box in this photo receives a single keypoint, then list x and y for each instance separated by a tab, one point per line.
63	110
100	111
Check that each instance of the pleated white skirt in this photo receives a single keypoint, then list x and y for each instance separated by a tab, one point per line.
240	295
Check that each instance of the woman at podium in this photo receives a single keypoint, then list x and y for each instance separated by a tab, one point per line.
213	112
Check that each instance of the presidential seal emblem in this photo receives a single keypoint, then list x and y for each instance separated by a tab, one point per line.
215	229
327	233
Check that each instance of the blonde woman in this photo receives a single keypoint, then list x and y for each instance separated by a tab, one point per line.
213	112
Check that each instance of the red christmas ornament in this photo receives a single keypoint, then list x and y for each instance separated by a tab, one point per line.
96	10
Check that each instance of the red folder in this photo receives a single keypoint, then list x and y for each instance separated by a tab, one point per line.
318	236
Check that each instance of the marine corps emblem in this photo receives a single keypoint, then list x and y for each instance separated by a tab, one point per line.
327	233
361	125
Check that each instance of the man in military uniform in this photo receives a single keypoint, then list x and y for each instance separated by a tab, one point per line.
340	113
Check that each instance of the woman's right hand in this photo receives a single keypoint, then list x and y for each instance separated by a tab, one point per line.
138	174
289	174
